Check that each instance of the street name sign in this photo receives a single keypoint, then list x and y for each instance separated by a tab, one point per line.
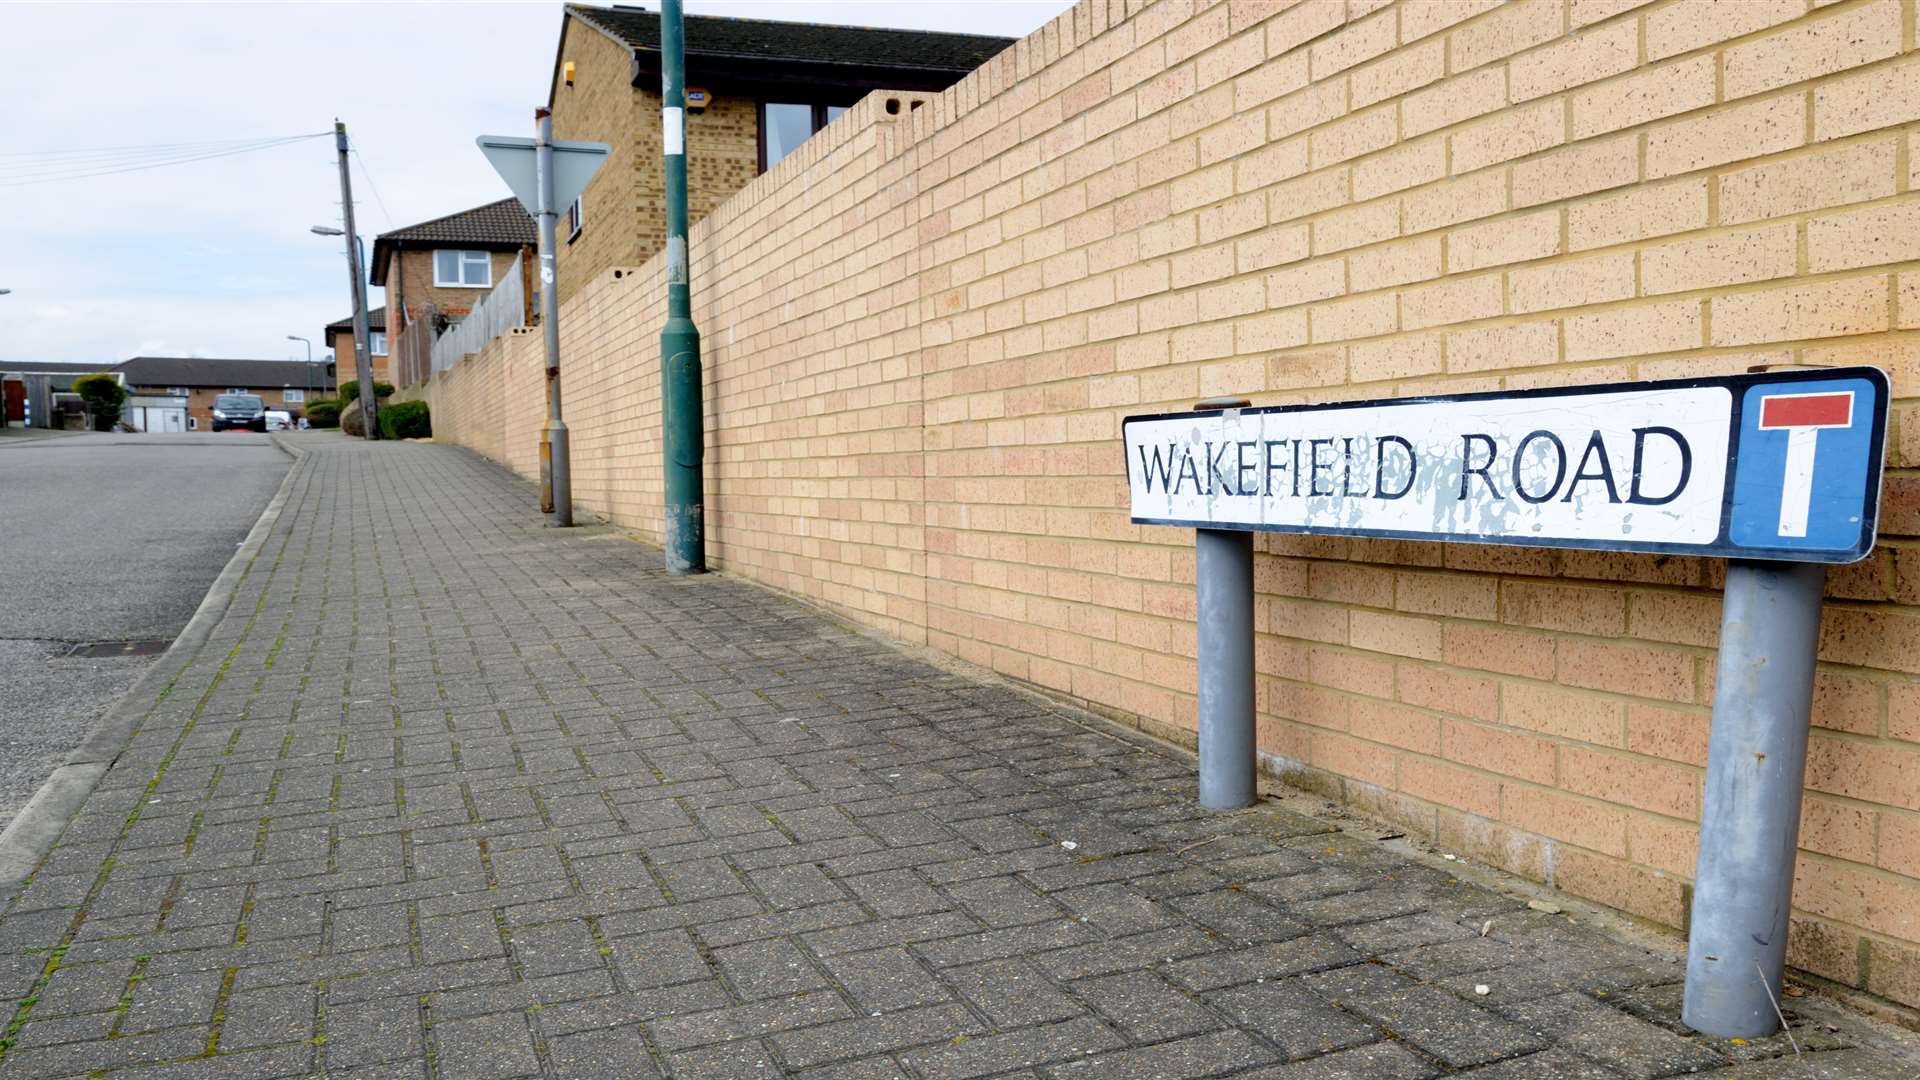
1778	465
1778	471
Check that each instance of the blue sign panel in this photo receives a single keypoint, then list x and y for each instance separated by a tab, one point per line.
1807	452
1774	465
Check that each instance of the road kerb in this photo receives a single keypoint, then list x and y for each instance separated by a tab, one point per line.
37	828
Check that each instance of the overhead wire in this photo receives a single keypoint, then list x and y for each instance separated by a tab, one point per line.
134	159
46	160
131	148
371	186
74	170
153	156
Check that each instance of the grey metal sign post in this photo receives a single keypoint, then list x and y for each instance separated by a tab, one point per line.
1777	471
1756	767
1223	604
546	175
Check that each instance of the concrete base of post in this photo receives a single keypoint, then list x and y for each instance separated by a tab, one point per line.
546	471
557	443
685	529
1224	590
1756	770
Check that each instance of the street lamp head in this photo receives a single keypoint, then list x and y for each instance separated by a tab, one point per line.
326	230
4	292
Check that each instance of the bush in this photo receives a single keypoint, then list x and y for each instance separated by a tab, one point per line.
103	395
350	390
406	420
323	413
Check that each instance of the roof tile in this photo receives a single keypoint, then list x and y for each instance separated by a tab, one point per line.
209	371
765	39
504	222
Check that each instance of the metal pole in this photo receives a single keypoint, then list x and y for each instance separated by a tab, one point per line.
1756	770
556	480
309	368
1223	590
686	546
362	360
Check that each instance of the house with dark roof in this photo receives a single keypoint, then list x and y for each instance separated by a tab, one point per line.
433	273
282	384
339	338
757	90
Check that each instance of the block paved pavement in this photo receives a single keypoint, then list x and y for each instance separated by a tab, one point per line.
449	794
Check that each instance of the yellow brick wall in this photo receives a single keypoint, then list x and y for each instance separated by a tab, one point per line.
923	330
467	402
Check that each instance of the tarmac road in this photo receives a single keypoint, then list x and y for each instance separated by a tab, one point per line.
106	537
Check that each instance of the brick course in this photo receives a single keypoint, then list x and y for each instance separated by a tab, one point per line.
923	329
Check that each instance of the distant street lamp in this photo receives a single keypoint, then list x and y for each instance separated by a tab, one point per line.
309	345
4	292
356	271
328	230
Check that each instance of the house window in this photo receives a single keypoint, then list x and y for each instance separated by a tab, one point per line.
462	269
784	126
238	390
177	391
293	397
576	216
377	341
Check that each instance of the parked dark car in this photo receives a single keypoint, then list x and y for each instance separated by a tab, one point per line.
239	411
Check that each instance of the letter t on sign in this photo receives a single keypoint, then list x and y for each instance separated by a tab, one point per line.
1802	416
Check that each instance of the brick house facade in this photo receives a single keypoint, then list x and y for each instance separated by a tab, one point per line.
432	273
281	384
742	64
339	339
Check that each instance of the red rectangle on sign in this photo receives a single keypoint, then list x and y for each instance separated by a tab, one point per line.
1806	410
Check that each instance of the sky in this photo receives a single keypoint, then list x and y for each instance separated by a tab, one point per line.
214	257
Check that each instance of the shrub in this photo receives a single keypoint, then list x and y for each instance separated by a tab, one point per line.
103	395
350	390
406	420
323	413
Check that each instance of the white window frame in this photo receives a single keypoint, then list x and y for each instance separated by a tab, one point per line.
241	390
176	391
377	342
576	218
464	259
291	396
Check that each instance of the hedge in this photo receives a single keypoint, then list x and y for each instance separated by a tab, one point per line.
406	420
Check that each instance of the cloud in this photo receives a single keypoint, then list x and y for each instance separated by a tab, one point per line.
214	257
